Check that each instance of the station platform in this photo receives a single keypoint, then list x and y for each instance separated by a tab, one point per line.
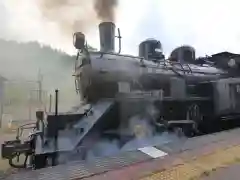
230	172
194	158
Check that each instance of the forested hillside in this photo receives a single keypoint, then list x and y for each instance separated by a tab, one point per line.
22	61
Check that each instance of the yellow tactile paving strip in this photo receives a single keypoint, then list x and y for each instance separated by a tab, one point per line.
196	167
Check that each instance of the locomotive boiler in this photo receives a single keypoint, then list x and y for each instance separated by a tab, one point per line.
124	97
189	86
99	73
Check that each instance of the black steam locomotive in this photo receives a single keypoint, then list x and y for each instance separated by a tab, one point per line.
193	94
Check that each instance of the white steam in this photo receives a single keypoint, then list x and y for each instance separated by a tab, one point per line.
104	148
143	133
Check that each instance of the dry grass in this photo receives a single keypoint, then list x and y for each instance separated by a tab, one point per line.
5	134
201	166
4	165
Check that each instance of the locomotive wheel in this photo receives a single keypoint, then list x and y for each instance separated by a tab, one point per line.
18	160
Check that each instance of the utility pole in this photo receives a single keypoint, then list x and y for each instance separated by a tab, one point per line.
30	106
2	98
40	79
1	114
50	103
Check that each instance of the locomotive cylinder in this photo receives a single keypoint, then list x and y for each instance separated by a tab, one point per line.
107	36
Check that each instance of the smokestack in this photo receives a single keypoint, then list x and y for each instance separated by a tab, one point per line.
107	36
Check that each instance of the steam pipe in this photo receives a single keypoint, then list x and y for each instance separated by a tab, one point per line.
56	116
119	41
56	102
54	158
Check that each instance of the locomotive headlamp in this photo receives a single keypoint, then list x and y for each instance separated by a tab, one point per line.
79	40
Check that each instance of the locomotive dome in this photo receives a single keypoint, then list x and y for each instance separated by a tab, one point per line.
151	49
183	54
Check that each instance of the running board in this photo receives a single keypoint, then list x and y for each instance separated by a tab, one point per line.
68	140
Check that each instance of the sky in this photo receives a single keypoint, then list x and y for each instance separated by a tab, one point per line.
210	26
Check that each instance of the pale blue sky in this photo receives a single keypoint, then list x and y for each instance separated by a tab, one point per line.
209	25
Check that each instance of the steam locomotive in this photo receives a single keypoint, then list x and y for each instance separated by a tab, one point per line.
193	94
204	83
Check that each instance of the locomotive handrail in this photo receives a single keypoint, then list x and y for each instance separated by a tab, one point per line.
190	70
158	63
22	127
119	41
178	63
182	67
198	72
176	72
165	66
76	60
